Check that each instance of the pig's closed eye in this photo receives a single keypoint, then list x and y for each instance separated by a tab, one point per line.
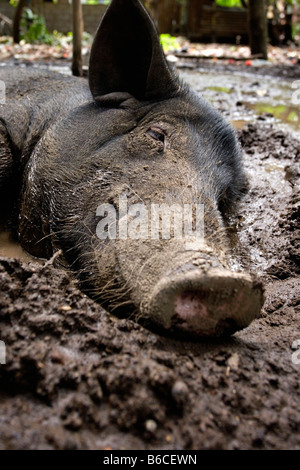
157	133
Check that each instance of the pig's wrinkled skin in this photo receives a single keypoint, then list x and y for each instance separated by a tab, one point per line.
136	130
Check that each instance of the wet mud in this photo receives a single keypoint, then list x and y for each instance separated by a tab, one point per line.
78	378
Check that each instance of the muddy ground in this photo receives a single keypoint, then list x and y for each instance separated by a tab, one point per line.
77	378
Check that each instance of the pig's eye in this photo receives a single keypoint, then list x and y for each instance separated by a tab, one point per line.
157	133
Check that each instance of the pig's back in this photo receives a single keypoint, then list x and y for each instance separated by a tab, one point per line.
34	100
21	82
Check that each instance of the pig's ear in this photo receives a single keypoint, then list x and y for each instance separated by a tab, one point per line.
126	55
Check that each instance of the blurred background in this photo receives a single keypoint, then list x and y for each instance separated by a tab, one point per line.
201	20
240	32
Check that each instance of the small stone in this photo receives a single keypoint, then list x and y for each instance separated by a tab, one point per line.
179	391
233	361
150	425
65	308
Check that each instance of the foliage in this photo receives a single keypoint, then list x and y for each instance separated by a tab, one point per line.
229	3
87	38
34	28
96	2
169	43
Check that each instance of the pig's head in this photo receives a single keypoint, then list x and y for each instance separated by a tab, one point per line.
144	141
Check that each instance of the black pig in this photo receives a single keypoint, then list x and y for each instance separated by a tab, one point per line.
85	170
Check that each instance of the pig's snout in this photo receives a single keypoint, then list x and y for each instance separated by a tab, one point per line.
216	302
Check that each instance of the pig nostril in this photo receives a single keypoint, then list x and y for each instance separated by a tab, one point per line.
189	304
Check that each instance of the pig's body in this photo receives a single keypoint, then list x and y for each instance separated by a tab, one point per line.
137	133
34	101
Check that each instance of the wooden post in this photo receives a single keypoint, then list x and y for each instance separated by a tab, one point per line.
257	24
16	21
77	38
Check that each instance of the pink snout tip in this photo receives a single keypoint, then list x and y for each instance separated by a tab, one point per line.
213	303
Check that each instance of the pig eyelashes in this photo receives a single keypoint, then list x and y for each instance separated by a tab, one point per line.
158	133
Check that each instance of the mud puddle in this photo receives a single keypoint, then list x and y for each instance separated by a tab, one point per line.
78	378
244	97
10	248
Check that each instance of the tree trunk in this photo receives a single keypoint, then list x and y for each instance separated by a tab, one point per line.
257	24
77	38
288	24
17	20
